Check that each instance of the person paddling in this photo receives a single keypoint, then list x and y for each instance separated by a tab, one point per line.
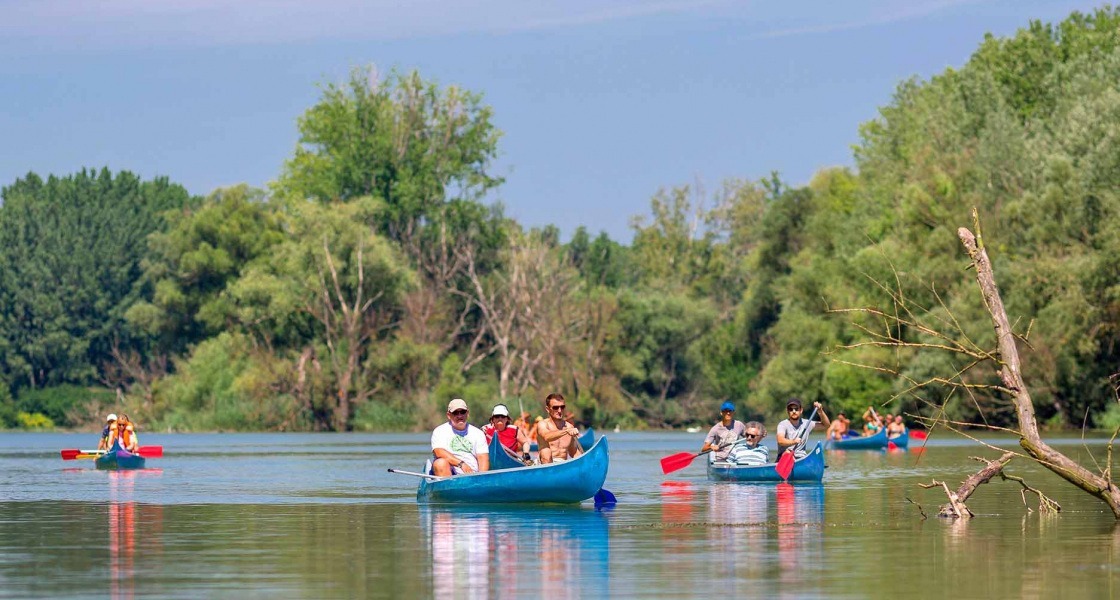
124	435
724	433
557	438
790	433
110	425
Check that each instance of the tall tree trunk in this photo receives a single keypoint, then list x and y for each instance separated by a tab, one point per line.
1011	374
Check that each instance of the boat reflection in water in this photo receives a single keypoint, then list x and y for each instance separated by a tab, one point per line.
124	534
766	534
502	551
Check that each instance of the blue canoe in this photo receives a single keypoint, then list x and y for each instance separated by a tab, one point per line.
585	440
565	482
119	458
500	458
870	442
809	468
902	441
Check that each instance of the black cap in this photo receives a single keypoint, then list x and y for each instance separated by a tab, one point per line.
794	402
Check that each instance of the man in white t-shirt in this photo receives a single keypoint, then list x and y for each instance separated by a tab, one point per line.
458	446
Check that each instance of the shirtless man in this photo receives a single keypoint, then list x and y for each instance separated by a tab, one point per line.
896	428
556	437
838	428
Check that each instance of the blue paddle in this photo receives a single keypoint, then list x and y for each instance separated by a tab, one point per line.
603	497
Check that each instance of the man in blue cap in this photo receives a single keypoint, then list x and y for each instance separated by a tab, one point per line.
723	434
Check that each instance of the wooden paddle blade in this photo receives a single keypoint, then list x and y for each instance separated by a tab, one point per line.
676	462
785	465
150	451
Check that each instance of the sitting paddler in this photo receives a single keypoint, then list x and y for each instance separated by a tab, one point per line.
124	435
110	425
557	438
871	421
896	428
458	446
749	450
839	429
510	436
793	430
724	433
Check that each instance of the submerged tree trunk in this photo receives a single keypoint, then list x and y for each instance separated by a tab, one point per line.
1011	375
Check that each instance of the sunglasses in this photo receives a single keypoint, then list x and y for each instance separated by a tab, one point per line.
558	407
751	436
727	412
460	412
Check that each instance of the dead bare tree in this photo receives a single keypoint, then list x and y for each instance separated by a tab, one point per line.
1005	356
527	320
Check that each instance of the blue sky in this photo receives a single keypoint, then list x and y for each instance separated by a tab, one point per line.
601	102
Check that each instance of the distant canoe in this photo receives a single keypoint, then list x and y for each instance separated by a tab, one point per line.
585	440
565	482
809	468
902	441
119	458
871	442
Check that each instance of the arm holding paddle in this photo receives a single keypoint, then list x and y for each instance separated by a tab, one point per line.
788	456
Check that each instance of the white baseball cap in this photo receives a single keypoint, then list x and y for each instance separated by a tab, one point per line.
457	404
500	411
111	417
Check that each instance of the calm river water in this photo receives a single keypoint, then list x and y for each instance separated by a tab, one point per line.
317	516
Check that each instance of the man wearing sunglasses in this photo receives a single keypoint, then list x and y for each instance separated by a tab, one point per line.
723	434
458	446
749	450
557	438
793	432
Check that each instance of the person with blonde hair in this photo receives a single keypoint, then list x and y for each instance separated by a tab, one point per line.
124	435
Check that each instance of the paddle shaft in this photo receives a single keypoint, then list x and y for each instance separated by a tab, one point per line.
432	477
800	432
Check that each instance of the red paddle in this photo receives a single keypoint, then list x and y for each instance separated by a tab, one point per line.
785	461
918	434
678	461
145	451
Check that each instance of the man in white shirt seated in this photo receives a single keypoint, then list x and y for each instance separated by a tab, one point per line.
458	446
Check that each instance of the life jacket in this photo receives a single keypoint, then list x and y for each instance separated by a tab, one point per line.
125	437
507	437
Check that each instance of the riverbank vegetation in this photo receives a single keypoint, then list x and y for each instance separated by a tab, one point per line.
372	280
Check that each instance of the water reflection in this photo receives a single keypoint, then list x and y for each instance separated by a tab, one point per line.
503	552
776	536
124	513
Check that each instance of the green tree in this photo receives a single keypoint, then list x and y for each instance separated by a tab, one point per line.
71	250
403	140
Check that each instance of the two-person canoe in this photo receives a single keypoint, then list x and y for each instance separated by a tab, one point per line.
586	439
119	458
565	482
870	442
809	468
